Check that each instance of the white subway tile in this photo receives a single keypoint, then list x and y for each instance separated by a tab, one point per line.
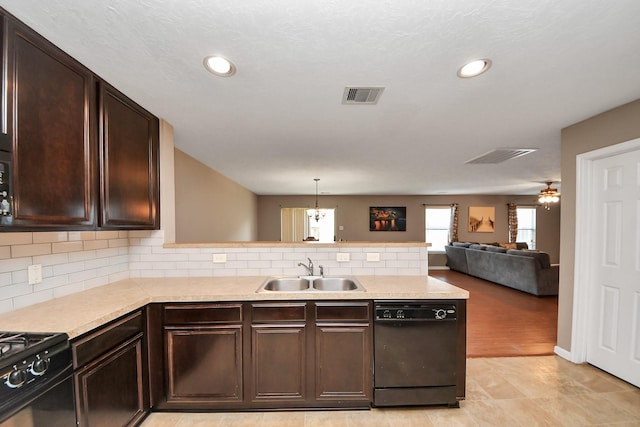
5	252
68	289
50	237
64	247
15	264
20	277
7	239
34	298
82	235
6	305
271	256
106	253
18	251
72	267
15	290
51	259
107	234
82	275
96	263
51	283
81	256
5	279
95	244
118	243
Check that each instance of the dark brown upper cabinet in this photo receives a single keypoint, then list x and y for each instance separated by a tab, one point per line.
51	117
129	143
83	155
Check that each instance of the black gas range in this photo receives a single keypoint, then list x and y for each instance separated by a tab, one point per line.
36	386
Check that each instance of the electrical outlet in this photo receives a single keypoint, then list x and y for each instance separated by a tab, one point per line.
343	257
373	257
219	258
35	274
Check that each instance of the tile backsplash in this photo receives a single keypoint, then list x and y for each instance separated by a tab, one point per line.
75	261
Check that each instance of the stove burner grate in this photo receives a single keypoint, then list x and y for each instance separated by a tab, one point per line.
11	342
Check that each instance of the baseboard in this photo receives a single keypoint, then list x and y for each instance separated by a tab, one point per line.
438	267
563	353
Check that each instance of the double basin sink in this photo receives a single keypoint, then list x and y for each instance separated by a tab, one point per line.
311	284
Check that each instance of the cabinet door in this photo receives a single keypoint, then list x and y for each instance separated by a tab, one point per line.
110	390
343	362
278	358
204	364
129	180
51	120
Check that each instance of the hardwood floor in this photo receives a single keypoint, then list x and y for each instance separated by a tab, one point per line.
505	322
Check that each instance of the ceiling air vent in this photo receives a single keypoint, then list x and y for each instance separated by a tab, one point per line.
361	95
500	155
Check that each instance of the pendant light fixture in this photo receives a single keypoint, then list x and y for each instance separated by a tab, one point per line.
548	195
317	214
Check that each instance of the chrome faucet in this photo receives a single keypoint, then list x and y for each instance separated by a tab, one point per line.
308	267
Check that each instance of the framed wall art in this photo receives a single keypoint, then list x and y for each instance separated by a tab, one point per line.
388	218
482	219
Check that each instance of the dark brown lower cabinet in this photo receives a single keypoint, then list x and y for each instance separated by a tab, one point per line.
204	364
263	355
343	369
203	356
110	374
343	351
279	362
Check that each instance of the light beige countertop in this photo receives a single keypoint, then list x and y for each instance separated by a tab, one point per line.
83	311
262	244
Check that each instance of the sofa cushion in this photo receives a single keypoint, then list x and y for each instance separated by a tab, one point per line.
542	257
496	249
478	247
461	244
509	245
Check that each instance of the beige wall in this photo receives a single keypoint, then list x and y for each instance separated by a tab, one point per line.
612	127
352	212
209	206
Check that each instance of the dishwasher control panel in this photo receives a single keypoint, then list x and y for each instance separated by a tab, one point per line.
415	312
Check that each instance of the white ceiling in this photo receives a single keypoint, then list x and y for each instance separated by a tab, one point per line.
279	122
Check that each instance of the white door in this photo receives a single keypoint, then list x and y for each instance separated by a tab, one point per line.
613	337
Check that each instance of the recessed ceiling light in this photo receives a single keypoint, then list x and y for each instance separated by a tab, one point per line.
219	66
474	68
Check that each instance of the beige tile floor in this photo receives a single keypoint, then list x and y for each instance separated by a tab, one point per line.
513	391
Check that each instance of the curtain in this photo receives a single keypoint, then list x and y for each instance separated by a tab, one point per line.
453	225
512	213
293	222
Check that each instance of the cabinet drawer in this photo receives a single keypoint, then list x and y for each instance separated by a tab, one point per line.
338	311
278	312
99	342
202	313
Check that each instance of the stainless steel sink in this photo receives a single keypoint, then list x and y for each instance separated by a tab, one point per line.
286	284
311	284
336	284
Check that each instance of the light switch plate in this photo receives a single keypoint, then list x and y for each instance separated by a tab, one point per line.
219	258
373	257
35	274
343	257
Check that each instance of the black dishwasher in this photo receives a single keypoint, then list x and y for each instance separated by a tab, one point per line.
416	353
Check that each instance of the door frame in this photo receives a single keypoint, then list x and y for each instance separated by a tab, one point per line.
584	250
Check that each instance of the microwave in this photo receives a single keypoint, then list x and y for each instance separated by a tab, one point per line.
5	176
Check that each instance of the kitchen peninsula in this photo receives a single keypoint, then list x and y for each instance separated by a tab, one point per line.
200	318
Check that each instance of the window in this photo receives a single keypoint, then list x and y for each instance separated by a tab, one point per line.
437	220
527	226
322	230
299	224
